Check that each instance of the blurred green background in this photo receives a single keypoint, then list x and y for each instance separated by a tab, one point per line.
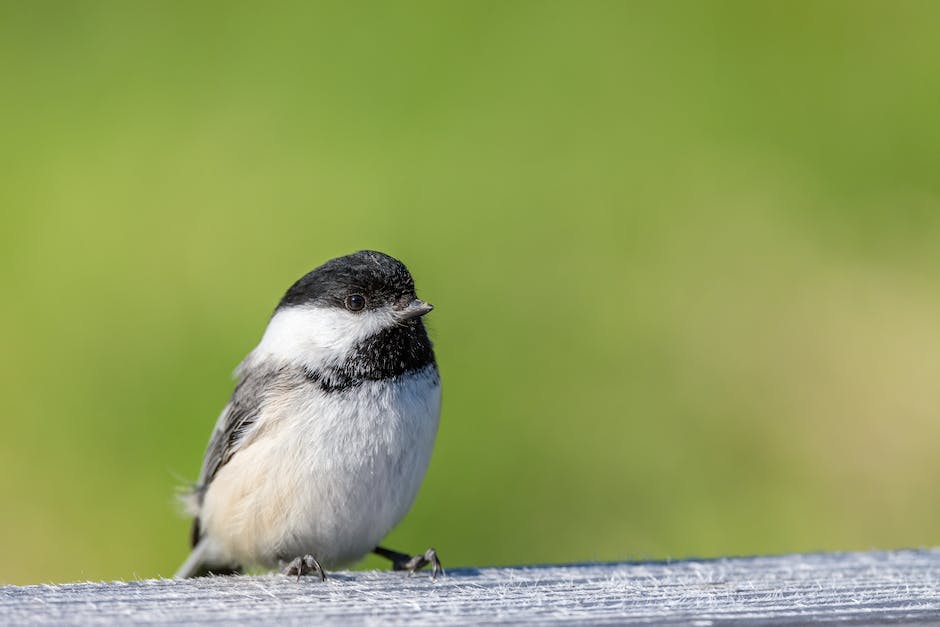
685	258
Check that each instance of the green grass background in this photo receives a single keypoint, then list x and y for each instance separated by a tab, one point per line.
685	259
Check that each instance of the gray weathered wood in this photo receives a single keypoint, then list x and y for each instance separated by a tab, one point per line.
898	586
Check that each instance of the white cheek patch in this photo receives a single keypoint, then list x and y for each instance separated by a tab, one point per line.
314	335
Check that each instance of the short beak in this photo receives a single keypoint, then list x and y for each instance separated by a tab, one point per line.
414	309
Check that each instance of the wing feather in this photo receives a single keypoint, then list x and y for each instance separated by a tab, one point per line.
238	419
233	428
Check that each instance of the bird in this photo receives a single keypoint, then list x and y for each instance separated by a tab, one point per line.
328	433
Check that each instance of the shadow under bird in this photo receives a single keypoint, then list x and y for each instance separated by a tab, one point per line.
326	439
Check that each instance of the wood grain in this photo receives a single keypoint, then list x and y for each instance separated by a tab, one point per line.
862	588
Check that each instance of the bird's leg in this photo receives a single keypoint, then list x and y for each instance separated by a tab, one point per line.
300	566
403	561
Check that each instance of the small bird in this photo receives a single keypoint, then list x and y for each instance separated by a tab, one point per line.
327	436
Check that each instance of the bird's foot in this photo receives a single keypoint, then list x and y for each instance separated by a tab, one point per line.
403	561
301	566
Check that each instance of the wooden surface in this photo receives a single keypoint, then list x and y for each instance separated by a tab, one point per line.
862	588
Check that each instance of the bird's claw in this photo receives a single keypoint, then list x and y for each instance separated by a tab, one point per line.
418	562
301	566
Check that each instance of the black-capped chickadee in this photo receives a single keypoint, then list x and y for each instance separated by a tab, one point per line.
327	436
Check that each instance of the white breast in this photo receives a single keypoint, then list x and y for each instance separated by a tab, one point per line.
324	473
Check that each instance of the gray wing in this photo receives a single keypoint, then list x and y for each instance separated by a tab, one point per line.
237	420
232	428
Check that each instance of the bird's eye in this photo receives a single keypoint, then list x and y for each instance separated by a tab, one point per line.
355	302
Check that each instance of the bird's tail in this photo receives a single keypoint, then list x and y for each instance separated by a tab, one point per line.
198	564
194	565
